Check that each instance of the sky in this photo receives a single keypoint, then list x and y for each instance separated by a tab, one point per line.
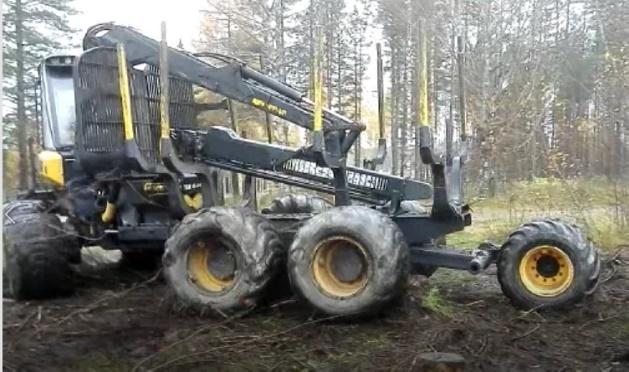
182	17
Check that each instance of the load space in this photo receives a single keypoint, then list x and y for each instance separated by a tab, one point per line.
140	176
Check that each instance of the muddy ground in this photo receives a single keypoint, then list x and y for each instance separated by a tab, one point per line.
116	324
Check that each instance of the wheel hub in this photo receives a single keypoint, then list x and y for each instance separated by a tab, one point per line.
546	271
212	266
339	267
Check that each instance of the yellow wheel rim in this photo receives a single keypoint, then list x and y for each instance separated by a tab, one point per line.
546	271
211	266
340	267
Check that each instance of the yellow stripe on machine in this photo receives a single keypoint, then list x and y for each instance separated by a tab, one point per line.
423	80
125	95
318	87
52	167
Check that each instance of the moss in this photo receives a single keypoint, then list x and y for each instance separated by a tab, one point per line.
437	304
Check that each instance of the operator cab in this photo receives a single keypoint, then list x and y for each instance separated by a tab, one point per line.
57	103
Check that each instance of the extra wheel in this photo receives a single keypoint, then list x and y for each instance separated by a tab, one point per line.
36	255
547	264
349	260
298	203
221	258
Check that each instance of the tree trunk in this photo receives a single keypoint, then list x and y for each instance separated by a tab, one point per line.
21	104
393	114
357	103
404	102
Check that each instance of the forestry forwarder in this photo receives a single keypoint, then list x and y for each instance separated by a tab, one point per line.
128	171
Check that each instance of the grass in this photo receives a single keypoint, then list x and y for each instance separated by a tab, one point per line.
554	194
596	205
437	304
471	237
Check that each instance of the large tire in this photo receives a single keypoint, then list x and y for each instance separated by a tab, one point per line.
36	254
17	208
298	203
349	261
222	258
548	264
289	204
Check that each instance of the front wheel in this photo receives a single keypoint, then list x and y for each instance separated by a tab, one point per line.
548	264
349	261
36	257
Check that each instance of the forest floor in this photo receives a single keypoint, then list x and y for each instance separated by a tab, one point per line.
122	320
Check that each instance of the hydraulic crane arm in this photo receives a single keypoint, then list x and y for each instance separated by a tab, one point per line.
316	167
234	80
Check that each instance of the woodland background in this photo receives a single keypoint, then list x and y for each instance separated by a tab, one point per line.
546	84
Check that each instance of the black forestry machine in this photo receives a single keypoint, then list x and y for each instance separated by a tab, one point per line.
127	168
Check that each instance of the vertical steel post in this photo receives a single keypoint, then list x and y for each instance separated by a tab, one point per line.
164	86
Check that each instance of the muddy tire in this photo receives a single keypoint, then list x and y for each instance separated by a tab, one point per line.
37	258
28	209
221	258
17	208
297	203
548	264
349	261
288	204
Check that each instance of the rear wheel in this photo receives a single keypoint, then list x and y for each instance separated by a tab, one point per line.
548	264
349	260
222	258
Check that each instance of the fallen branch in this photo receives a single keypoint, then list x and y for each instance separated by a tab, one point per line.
527	333
92	306
599	320
621	248
116	295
